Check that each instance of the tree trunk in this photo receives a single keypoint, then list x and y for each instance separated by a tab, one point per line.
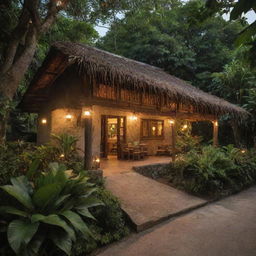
15	64
9	81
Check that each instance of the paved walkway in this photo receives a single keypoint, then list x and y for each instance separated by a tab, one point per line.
224	228
114	166
148	202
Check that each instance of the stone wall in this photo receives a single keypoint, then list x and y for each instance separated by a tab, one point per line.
153	171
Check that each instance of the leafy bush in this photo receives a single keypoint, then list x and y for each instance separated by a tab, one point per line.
47	215
214	171
185	141
110	226
10	163
62	149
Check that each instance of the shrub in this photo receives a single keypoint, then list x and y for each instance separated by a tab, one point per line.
49	213
62	149
185	141
214	171
110	226
10	163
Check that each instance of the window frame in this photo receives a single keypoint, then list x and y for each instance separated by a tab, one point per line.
149	125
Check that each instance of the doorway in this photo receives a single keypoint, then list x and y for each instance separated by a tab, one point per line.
113	135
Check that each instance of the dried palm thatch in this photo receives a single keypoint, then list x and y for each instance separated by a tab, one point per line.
115	70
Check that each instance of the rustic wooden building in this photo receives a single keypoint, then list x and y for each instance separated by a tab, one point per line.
101	97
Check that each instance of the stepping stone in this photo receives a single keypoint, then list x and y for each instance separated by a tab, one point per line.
148	202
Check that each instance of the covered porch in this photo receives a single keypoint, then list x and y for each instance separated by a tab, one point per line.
113	165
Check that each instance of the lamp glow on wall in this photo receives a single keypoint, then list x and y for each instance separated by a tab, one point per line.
87	113
68	117
134	117
216	123
171	122
44	121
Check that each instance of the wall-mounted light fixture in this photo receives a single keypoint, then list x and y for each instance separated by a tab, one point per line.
62	156
87	113
44	121
68	117
243	151
133	117
171	122
216	123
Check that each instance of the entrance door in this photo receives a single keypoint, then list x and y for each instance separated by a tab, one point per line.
113	135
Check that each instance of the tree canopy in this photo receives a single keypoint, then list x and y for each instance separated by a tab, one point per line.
176	40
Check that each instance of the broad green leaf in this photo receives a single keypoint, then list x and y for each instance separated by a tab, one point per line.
20	232
242	6
89	192
19	194
54	220
60	200
23	183
77	222
63	242
246	35
89	202
35	244
33	167
46	194
85	212
13	210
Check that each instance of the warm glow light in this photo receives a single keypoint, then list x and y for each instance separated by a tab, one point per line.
97	160
59	3
185	126
44	121
216	123
243	151
171	121
134	118
62	156
68	117
153	128
87	113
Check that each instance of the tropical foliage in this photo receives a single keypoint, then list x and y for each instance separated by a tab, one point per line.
214	172
62	149
175	39
237	10
48	213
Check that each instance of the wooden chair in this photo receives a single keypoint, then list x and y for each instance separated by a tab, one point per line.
144	150
161	150
137	154
125	152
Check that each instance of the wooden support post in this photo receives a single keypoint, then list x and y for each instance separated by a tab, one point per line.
88	144
173	144
215	133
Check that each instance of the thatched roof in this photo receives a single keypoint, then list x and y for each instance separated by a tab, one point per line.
113	69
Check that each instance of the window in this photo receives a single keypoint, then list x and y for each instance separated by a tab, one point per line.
151	129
